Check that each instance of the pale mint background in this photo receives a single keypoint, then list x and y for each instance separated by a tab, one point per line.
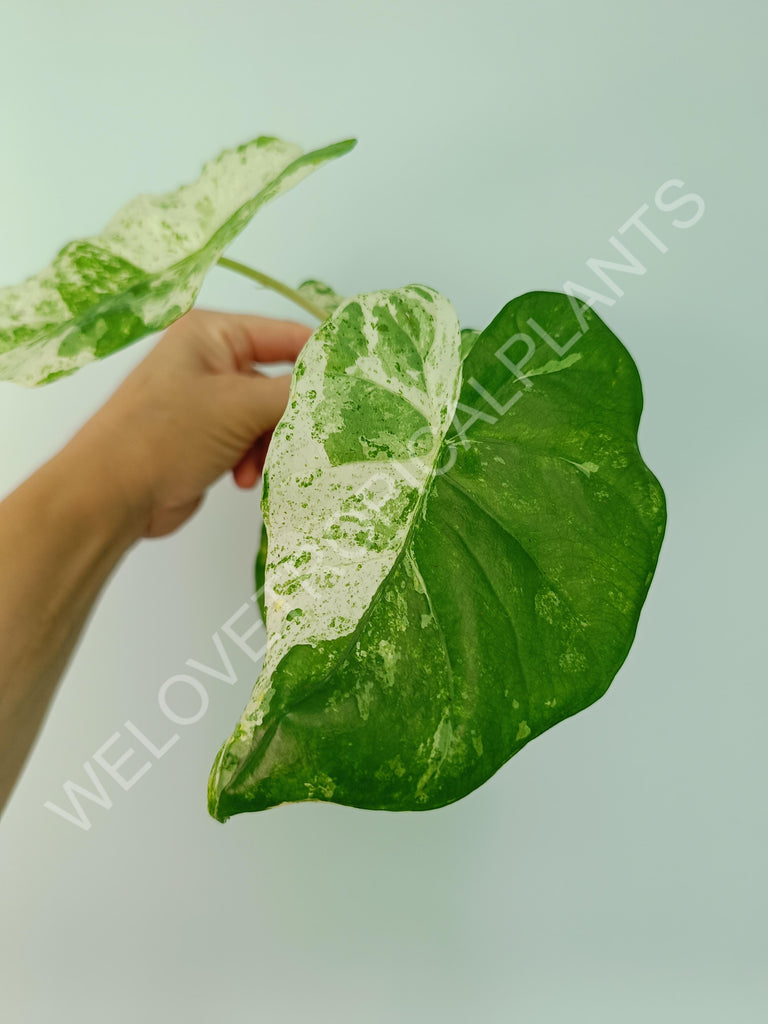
615	870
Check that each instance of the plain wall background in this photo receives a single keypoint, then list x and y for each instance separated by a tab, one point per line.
615	869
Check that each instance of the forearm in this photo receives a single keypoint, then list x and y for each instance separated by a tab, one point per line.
61	534
191	411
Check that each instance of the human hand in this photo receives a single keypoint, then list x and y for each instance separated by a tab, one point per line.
191	411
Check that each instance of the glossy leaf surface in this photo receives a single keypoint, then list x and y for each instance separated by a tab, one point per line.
450	573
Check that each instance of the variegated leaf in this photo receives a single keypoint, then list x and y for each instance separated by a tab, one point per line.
145	269
320	295
424	626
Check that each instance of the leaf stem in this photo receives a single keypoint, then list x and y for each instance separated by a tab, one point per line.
275	285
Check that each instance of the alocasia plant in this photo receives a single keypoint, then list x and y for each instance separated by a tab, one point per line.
459	529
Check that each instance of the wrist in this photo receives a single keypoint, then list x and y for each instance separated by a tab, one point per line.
101	481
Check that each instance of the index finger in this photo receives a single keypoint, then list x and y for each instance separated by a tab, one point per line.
260	339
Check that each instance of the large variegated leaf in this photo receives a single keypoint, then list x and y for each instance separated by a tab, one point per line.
423	626
147	266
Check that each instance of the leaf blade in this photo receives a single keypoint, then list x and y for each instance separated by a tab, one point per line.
146	268
513	603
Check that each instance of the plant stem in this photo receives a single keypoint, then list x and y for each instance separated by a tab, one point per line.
275	285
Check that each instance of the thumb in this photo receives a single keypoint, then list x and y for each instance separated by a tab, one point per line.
259	402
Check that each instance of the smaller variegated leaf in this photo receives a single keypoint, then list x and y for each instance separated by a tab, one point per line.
322	296
147	266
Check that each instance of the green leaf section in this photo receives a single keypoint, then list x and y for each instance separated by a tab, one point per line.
147	266
468	338
260	573
506	602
